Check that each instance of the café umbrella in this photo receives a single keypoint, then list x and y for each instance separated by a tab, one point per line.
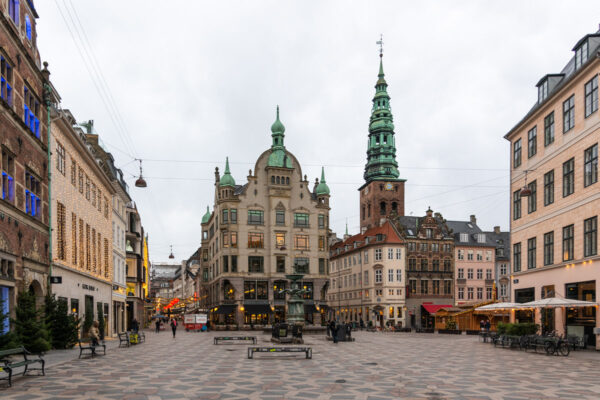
497	306
553	302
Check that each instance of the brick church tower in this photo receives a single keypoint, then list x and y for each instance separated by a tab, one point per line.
382	194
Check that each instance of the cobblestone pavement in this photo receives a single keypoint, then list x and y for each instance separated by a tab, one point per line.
376	366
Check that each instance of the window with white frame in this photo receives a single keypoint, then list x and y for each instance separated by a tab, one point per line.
470	255
398	275
470	273
390	275
461	273
378	255
390	254
398	254
378	276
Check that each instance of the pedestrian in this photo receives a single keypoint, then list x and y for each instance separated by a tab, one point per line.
334	331
157	325
488	325
329	327
348	331
135	325
94	333
481	325
174	327
362	324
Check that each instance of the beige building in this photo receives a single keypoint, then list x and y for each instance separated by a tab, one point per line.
82	223
554	227
261	231
367	278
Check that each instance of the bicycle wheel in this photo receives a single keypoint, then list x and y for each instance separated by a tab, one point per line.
564	349
549	347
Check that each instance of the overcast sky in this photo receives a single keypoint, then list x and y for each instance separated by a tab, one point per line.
196	81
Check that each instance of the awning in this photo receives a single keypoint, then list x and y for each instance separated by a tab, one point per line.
310	309
433	308
225	309
257	309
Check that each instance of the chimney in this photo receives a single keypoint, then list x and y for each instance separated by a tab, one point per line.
473	219
497	230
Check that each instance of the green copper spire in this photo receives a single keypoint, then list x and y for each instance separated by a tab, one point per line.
227	179
322	187
278	157
381	150
206	216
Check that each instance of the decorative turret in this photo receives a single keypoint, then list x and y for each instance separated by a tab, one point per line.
227	179
278	157
206	216
322	188
381	150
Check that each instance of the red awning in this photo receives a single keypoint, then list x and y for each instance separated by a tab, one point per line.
433	308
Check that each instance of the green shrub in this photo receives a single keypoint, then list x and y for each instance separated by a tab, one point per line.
64	328
30	327
101	322
89	317
8	340
517	329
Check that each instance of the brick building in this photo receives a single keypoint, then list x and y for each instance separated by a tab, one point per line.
555	197
24	214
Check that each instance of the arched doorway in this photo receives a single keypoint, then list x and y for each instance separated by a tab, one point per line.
35	288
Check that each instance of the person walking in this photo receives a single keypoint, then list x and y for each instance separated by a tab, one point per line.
362	324
157	325
94	333
135	325
334	330
488	326
174	327
329	328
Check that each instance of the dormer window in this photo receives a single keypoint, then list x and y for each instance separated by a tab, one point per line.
481	238
543	91
581	54
464	237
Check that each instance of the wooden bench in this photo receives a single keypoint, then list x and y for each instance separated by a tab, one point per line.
306	350
86	345
231	338
123	339
7	364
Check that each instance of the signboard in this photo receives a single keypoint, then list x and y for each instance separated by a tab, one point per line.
56	279
189	319
201	318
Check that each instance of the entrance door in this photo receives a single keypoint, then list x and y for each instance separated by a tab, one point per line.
547	320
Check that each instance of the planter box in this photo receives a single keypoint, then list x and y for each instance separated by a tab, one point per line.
425	330
450	331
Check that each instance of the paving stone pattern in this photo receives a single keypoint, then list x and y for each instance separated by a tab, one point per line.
375	366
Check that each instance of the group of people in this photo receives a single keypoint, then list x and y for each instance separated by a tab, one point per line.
173	324
485	325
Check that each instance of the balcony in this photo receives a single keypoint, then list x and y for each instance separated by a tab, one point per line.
461	281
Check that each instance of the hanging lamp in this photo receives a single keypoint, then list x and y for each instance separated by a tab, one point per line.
140	182
525	191
171	256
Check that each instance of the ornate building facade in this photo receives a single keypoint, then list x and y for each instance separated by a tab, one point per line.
258	232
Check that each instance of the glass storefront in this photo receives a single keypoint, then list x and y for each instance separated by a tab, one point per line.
582	320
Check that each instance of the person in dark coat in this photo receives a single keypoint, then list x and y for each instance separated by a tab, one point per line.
135	325
488	325
329	328
362	324
348	330
334	330
157	325
174	327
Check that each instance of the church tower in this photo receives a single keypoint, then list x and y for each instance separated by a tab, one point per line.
382	194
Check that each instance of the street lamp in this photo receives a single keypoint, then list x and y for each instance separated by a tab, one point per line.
171	256
140	182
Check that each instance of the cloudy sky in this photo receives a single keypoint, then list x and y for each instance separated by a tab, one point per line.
183	84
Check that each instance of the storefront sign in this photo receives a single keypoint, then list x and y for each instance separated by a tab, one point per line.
56	279
88	287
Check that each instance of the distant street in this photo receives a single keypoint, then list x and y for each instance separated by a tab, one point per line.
376	366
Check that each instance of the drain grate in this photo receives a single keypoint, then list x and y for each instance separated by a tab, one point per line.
371	363
340	381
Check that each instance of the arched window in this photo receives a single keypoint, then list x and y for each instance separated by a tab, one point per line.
394	207
287	181
363	212
272	179
278	180
382	208
28	26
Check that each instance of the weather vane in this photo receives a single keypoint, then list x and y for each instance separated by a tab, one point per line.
380	43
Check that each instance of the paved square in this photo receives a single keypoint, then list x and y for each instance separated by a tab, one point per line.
376	366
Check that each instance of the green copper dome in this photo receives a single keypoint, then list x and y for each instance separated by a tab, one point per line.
278	157
206	216
322	187
227	179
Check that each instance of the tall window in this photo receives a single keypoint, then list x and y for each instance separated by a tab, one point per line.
412	264
61	228
435	264
591	96
234	240
301	242
390	275
470	293
488	274
80	178
6	73
590	237
581	55
322	243
322	266
479	273
436	286
255	240
60	158
398	254
300	220
543	91
378	276
470	273
74	239
28	27
549	188
569	114
488	293
590	166
549	248
321	221
255	217
233	215
424	286
568	234
302	265
517	154
13	11
549	129
33	192
532	142
390	254
461	293
517	204
424	263
225	217
398	275
531	248
479	293
517	257
569	177
461	273
503	269
255	264
378	254
366	277
31	111
532	199
8	176
279	217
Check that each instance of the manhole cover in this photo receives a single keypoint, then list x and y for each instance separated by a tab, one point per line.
371	363
340	381
230	350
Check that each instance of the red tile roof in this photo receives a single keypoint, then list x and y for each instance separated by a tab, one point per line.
387	230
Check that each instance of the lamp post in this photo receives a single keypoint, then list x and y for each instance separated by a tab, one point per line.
48	101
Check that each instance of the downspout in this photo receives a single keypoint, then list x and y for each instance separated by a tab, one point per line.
47	99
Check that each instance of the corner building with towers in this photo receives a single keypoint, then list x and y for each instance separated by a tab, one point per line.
258	232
